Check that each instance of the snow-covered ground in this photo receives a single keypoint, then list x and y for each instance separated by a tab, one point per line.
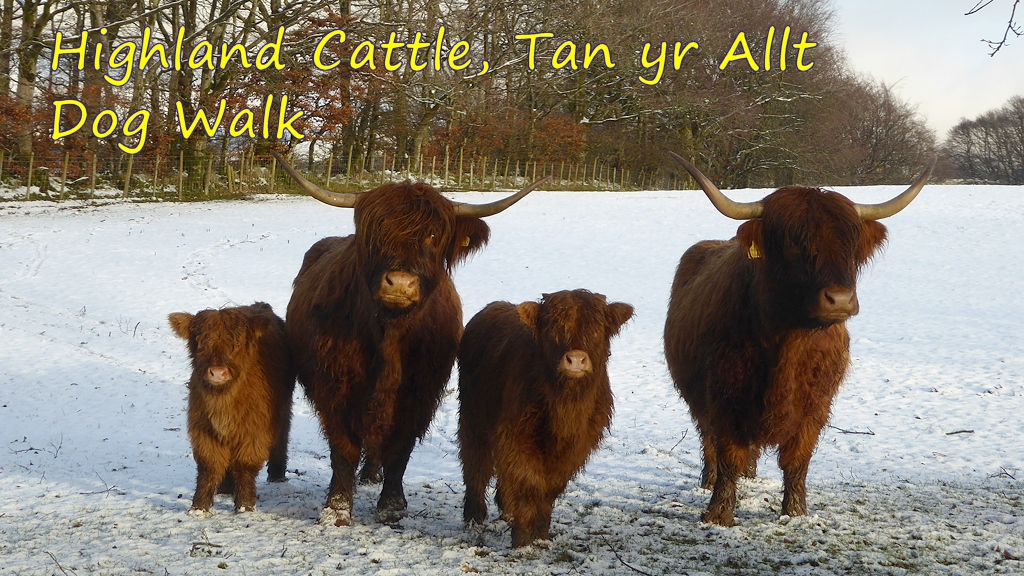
922	473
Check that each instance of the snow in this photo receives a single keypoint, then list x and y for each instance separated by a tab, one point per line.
920	474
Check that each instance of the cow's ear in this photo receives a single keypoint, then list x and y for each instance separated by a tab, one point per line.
751	236
470	235
872	237
180	323
618	314
528	312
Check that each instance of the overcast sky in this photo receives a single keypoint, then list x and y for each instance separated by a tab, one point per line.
933	53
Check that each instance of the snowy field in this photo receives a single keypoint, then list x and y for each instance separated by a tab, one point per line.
922	471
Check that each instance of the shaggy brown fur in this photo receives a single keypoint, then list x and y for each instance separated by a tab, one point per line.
756	340
239	400
374	322
534	402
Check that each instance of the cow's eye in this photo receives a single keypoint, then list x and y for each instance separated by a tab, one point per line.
430	240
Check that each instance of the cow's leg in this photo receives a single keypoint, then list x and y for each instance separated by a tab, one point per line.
710	471
499	500
794	459
344	458
477	470
227	485
732	459
542	523
392	503
370	472
525	509
211	466
278	462
245	485
751	470
523	497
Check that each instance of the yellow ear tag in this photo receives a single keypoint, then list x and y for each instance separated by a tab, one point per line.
465	242
754	253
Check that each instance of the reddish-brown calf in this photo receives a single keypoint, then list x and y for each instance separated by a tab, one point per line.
534	402
239	400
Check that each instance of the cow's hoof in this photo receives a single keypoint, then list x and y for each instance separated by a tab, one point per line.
334	517
276	479
722	519
199	513
370	475
390	515
794	510
391	507
243	509
474	514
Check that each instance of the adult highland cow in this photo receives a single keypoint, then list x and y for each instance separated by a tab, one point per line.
756	339
534	402
239	399
374	322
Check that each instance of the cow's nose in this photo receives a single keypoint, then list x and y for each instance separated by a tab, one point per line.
398	288
837	303
576	363
218	374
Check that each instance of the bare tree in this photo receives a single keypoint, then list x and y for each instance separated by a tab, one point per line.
990	148
1012	27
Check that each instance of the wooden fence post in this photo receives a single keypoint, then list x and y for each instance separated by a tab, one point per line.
92	178
273	173
28	185
1	165
181	175
330	166
156	175
64	176
128	176
445	164
461	150
348	171
206	176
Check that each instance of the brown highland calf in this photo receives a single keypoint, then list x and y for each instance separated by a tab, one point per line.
534	402
756	338
374	323
239	400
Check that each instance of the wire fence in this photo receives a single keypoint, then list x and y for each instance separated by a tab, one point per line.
175	178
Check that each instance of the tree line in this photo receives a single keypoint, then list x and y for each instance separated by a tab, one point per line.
744	128
990	148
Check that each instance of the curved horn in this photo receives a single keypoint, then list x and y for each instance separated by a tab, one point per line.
492	208
734	210
886	209
339	199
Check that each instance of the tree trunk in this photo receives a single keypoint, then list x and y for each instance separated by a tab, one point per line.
6	37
